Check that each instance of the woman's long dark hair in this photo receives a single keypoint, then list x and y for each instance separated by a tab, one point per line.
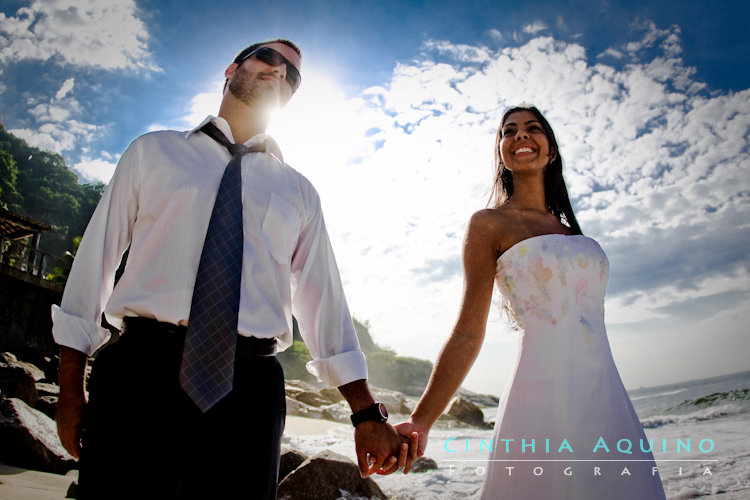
555	191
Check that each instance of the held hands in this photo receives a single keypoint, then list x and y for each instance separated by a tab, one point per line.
418	435
382	450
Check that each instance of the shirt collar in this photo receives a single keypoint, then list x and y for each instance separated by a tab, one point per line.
271	145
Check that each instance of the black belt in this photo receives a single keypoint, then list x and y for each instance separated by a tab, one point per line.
246	346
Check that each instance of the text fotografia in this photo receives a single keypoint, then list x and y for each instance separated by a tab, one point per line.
600	447
567	470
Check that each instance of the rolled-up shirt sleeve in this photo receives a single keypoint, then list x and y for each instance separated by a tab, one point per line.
320	306
76	322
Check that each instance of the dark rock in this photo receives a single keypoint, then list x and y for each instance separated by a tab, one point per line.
72	490
478	399
339	412
312	398
294	387
299	409
394	401
48	396
47	405
467	412
30	439
47	389
10	359
423	464
326	476
331	394
50	365
290	460
16	380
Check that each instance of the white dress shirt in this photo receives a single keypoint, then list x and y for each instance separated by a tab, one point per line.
159	203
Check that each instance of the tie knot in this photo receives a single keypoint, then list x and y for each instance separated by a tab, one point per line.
237	149
241	149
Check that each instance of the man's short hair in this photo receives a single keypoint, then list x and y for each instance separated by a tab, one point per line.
247	50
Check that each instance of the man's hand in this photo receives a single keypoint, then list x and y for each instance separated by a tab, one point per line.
69	412
69	418
405	459
379	446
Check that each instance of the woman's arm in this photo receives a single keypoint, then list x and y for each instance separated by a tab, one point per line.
461	349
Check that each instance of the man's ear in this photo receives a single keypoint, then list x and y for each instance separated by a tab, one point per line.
230	70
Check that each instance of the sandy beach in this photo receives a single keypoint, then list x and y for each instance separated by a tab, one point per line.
23	484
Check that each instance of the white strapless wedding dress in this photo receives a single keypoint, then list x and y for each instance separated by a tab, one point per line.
565	409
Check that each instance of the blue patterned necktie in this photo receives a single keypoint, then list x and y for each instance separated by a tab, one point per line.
207	369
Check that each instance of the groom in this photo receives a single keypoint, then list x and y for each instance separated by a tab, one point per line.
158	206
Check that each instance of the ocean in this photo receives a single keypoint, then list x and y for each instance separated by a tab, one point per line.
698	431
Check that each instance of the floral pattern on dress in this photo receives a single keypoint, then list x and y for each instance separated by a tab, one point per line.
553	279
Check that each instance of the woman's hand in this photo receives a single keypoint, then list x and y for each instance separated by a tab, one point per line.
418	439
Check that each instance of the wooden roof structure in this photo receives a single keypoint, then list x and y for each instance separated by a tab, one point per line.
14	226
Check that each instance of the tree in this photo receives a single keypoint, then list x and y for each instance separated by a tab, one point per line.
9	196
38	184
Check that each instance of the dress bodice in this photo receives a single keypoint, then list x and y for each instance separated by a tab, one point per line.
555	282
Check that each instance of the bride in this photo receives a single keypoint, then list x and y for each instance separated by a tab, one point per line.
565	390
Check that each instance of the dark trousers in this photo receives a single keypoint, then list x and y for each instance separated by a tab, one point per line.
144	438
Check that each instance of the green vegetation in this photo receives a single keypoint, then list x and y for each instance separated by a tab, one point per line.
38	184
386	369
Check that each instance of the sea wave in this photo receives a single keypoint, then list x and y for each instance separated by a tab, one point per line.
698	416
717	397
648	396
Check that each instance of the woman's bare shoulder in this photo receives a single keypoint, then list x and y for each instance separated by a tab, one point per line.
490	219
501	227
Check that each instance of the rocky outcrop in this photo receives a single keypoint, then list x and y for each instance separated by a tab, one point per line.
327	476
465	411
478	399
30	439
10	359
17	380
48	396
304	400
423	464
290	460
396	402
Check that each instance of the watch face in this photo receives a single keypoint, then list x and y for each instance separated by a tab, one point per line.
383	411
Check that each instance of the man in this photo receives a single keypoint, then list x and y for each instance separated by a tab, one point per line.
140	434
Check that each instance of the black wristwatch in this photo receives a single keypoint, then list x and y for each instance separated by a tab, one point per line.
375	412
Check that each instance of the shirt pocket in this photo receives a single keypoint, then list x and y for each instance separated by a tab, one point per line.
281	229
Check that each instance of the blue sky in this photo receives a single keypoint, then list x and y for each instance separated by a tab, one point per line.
394	125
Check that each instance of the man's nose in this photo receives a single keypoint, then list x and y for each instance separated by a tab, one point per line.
280	70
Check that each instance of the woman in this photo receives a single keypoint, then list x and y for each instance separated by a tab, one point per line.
565	410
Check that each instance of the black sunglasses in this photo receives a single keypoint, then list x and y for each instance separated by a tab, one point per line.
274	58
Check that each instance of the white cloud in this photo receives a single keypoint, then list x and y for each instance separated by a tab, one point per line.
57	127
107	34
496	35
58	134
206	103
535	27
65	89
95	169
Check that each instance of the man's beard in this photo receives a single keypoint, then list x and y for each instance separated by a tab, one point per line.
246	88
